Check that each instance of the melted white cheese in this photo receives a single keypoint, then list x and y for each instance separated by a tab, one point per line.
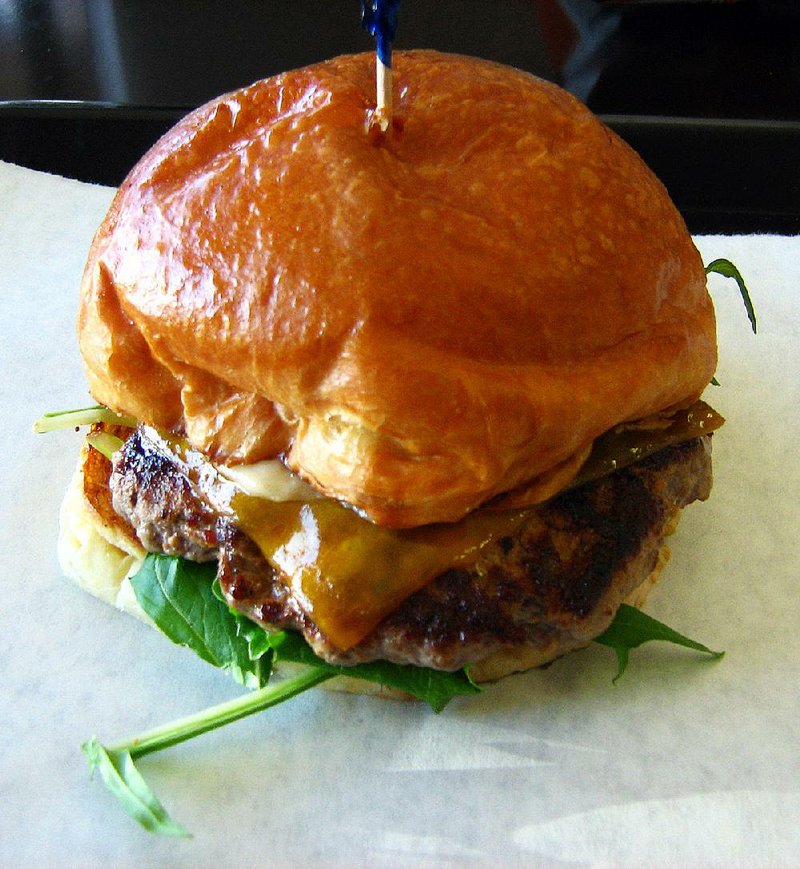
270	480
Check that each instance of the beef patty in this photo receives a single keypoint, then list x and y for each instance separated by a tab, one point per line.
550	587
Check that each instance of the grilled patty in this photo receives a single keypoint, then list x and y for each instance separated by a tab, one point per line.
551	586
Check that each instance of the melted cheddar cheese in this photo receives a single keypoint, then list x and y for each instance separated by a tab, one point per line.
349	574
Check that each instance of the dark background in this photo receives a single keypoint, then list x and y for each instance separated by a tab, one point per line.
708	92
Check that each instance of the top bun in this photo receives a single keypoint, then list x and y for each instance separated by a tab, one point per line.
414	322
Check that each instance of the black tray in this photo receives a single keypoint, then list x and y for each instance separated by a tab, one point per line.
726	176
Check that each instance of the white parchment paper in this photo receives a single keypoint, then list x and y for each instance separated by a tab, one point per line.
684	762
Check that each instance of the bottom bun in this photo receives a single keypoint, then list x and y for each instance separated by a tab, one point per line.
100	559
92	555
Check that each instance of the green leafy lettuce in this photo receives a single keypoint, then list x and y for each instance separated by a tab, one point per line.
184	601
727	269
631	628
178	596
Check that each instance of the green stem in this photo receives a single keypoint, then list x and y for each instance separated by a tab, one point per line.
104	442
62	419
217	716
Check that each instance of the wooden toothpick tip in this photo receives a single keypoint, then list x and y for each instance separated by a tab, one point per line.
383	102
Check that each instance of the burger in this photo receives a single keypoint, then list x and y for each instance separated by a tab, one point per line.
428	395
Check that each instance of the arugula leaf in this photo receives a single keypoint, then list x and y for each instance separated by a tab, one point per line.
631	627
727	269
254	635
435	687
178	597
185	601
167	735
121	777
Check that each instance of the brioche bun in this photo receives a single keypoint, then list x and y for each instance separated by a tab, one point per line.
415	322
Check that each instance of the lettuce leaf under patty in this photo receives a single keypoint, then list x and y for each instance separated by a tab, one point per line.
183	601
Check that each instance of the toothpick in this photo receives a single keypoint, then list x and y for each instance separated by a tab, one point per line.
383	100
379	17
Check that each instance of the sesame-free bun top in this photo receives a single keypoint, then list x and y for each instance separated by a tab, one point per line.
415	322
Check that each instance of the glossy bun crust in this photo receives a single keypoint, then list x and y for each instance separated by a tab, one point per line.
416	322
